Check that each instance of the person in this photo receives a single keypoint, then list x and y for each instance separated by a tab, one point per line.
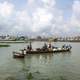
30	47
49	45
69	46
64	46
45	46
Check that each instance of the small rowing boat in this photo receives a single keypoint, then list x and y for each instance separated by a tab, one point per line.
18	55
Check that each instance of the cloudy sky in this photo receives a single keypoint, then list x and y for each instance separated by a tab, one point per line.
40	17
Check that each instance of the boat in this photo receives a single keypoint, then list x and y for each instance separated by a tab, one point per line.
48	51
38	52
44	49
18	55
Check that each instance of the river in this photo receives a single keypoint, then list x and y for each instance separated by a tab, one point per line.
56	66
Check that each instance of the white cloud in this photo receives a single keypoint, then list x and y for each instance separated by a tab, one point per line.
49	3
6	12
76	6
6	20
41	19
47	17
31	2
38	17
75	18
23	18
6	9
22	22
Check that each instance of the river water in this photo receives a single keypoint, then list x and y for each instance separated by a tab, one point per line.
56	66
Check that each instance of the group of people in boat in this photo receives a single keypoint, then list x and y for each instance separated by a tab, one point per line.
67	46
48	47
44	48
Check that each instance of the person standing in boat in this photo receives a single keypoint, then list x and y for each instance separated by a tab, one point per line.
49	46
28	47
45	46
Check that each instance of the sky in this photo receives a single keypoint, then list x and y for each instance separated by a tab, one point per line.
40	17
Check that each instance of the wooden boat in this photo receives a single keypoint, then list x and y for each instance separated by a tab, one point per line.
48	51
38	52
18	55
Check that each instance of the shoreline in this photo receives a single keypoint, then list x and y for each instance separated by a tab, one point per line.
7	41
4	45
13	41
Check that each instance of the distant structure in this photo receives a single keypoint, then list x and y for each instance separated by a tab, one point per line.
2	37
69	39
40	38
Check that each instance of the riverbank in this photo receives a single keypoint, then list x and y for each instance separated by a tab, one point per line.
13	41
8	41
69	41
4	45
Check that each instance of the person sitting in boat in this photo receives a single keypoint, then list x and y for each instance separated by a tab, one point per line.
24	48
67	46
64	46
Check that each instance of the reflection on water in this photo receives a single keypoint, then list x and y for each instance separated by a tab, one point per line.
57	66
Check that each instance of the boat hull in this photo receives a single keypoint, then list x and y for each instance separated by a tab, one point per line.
52	51
18	55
